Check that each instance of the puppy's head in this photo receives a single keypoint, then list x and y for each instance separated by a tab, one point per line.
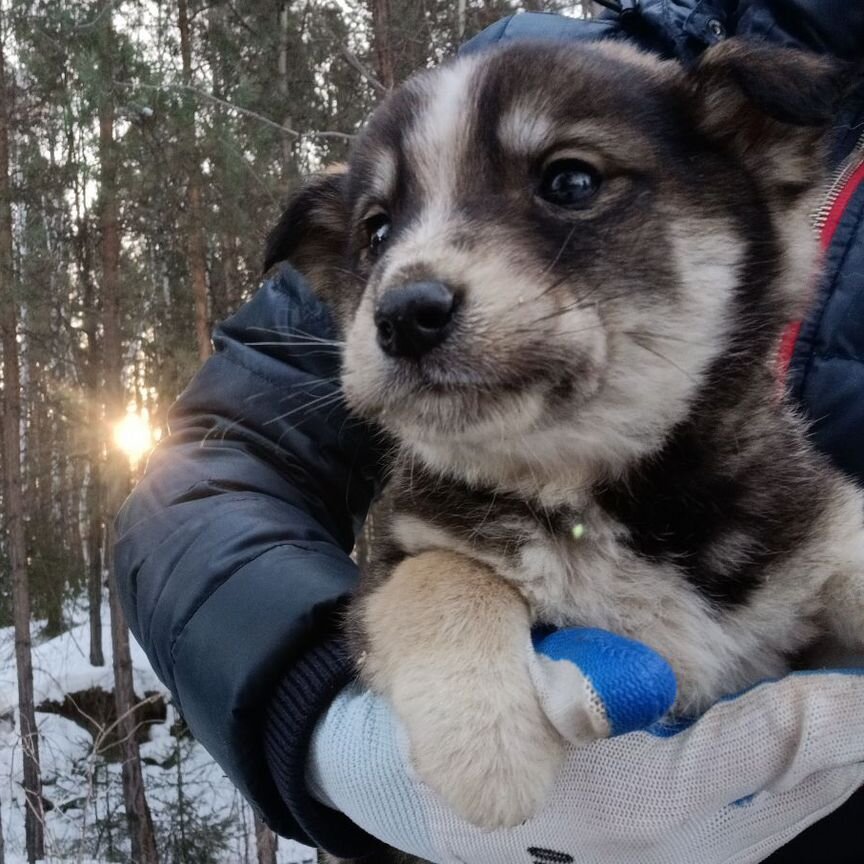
542	257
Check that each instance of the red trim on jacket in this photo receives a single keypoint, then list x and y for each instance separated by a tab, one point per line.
835	214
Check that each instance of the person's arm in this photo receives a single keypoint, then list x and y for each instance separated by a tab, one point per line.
232	554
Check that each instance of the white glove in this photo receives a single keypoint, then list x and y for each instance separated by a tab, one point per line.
734	786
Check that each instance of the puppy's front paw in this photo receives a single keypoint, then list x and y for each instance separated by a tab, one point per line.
493	758
449	645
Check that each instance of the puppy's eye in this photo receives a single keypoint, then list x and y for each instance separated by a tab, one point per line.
377	230
569	183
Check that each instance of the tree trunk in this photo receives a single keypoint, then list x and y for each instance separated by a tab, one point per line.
92	382
2	844
225	294
181	797
92	433
284	84
94	560
117	469
71	481
196	244
265	843
135	801
290	174
14	499
383	42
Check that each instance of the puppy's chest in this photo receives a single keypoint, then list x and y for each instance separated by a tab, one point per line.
572	563
726	607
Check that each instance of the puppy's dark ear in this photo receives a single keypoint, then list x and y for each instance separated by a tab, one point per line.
794	87
772	105
311	235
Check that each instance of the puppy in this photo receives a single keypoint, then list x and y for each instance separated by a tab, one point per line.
562	273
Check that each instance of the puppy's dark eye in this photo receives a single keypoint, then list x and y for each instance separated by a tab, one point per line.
569	183
377	230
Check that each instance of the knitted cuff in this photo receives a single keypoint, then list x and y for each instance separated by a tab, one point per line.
300	699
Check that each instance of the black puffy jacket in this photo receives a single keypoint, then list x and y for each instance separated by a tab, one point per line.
232	556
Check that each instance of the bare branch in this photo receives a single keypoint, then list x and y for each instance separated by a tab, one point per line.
345	136
362	69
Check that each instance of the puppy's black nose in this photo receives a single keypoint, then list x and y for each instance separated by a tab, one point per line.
413	319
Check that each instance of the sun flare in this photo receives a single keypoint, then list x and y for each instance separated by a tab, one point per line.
134	436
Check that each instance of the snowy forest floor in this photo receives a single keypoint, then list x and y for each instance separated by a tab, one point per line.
198	816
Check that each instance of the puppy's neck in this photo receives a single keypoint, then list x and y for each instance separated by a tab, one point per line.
726	430
541	467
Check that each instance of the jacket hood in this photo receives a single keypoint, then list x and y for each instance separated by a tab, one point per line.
684	28
827	26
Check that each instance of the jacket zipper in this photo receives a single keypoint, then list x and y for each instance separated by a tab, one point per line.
825	220
838	184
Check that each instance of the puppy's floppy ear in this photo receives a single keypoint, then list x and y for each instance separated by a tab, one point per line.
311	235
772	105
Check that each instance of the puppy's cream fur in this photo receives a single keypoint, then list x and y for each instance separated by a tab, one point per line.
473	664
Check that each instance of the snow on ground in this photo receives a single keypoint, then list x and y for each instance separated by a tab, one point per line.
85	790
62	665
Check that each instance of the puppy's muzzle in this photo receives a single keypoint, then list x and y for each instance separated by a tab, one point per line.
415	318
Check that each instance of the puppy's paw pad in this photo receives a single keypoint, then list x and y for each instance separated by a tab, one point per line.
494	785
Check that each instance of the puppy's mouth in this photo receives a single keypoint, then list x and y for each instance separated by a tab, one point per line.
444	396
430	365
436	378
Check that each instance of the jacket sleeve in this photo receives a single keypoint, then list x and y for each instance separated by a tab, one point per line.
232	554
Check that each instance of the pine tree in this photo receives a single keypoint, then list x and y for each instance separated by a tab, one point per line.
194	229
13	493
117	470
265	842
383	40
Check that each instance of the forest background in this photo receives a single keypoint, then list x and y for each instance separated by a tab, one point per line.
146	146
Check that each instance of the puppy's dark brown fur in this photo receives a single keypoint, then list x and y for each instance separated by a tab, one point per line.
608	365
